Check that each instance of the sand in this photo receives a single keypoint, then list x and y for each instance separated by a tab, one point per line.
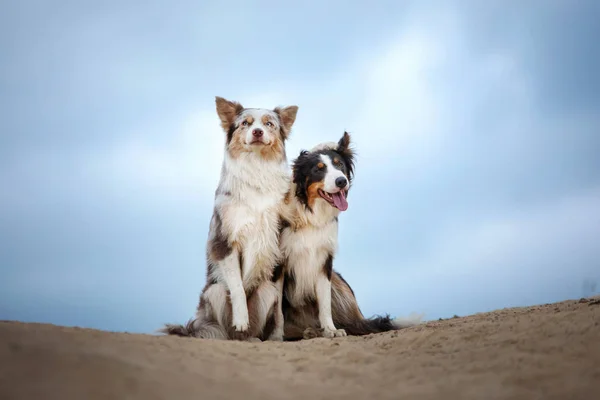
542	352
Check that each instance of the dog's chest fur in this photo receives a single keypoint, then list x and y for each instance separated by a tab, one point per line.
249	200
305	247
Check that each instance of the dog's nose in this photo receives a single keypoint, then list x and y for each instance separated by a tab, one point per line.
341	182
257	133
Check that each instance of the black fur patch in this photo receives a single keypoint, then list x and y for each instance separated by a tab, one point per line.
277	273
283	223
367	326
288	286
347	154
328	266
282	134
306	171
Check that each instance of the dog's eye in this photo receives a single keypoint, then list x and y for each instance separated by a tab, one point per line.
269	124
244	123
320	165
304	152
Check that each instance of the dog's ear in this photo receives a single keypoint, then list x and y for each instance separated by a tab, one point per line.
287	116
347	153
227	111
344	143
300	169
298	163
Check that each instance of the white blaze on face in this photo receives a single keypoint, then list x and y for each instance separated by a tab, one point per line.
332	175
254	119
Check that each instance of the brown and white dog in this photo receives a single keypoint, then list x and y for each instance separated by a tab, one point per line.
317	301
241	300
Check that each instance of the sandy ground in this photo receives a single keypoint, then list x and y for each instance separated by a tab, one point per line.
542	352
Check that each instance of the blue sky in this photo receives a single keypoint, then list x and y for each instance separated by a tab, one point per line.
477	127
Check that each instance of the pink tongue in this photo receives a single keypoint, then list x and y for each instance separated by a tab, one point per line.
339	200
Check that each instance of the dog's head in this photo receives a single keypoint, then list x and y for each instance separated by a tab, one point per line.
255	130
324	174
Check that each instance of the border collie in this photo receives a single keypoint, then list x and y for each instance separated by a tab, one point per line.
317	301
241	299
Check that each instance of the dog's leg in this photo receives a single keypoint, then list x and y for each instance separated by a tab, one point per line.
232	275
324	301
213	305
217	307
277	334
261	308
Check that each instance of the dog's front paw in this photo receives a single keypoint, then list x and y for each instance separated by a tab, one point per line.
241	324
242	336
331	333
311	333
240	329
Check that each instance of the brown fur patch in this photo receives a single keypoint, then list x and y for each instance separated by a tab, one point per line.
221	192
313	192
269	326
287	116
227	111
266	118
347	309
288	197
219	247
320	165
236	145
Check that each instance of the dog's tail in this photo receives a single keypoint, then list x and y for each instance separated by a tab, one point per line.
347	314
197	328
376	324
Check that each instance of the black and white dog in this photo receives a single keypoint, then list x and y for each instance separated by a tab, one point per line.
317	301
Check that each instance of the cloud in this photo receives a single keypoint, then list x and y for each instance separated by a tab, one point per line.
383	97
469	193
527	256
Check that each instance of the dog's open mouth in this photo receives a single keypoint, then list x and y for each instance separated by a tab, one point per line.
337	200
